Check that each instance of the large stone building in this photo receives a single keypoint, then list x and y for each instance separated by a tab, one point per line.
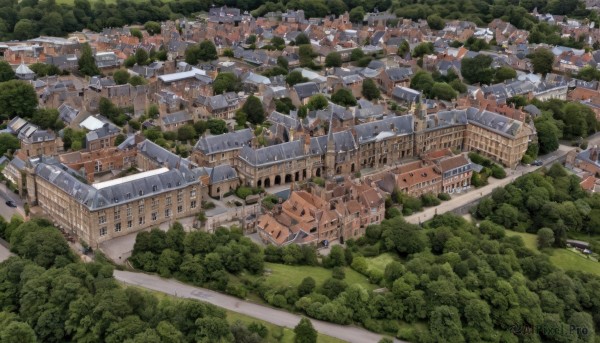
385	142
167	188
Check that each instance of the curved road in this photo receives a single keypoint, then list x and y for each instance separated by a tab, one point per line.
271	315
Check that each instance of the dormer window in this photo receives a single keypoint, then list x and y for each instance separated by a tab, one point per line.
141	192
154	188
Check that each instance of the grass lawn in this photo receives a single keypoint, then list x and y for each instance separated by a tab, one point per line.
529	239
569	260
284	275
381	261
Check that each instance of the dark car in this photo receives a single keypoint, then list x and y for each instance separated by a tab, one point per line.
537	163
11	203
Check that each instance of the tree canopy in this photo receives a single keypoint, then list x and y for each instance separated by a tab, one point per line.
17	98
343	97
204	51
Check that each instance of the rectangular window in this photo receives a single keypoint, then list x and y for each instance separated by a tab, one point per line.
117	214
142	220
179	209
193	192
167	213
103	231
129	224
102	219
118	227
193	204
128	211
154	203
141	208
169	200
179	197
154	216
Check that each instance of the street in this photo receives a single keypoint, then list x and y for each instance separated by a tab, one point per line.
271	315
5	211
473	194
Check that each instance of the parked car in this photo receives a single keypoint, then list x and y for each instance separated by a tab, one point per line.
11	203
537	163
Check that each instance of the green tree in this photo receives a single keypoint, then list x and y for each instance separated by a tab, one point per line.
301	39
545	237
254	110
18	332
87	63
17	98
356	54
205	51
504	73
343	97
317	102
141	56
333	59
307	286
403	48
136	33
186	132
357	14
305	333
295	77
445	325
422	81
216	126
477	69
370	90
24	29
435	22
8	143
137	80
6	72
548	135
423	49
225	82
47	118
129	61
278	43
458	86
306	55
588	73
152	28
121	76
542	61
442	91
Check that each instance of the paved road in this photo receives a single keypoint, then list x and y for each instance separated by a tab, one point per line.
277	317
474	194
5	211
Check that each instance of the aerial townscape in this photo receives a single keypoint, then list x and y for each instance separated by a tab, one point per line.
299	171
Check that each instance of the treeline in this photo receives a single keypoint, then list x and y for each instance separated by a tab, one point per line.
48	296
199	258
552	199
467	283
563	120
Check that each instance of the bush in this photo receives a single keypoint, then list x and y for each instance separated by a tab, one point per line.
243	192
269	201
392	212
370	250
319	181
238	291
360	265
338	273
207	205
429	200
498	172
444	196
527	159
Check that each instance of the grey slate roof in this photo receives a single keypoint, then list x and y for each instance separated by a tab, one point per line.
289	122
533	110
177	117
67	113
225	142
399	74
220	173
39	136
382	129
407	94
105	131
272	154
306	89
